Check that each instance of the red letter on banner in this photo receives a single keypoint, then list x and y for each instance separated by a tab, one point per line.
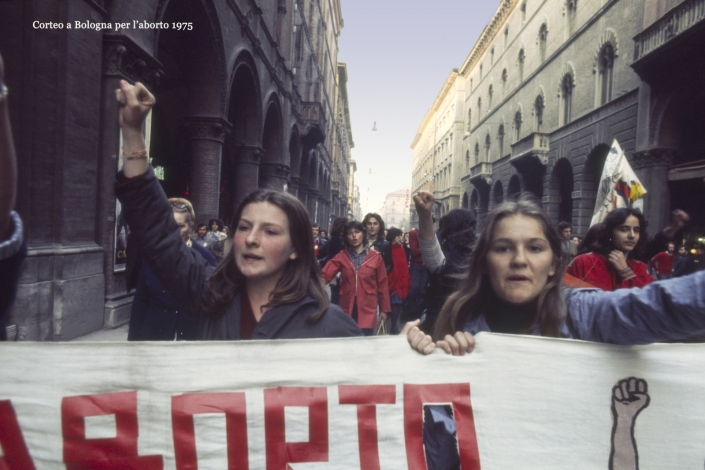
183	407
279	452
118	453
366	397
458	395
12	441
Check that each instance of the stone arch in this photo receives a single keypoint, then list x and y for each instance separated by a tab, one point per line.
475	202
681	143
590	177
465	200
538	109
514	187
517	121
242	151
307	163
188	120
481	198
521	60
272	132
497	194
501	138
560	192
542	39
203	50
488	147
568	69
608	37
274	173
294	152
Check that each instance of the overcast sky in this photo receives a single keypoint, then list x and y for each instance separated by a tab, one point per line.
398	54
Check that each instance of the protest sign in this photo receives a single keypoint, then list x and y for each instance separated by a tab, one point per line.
519	402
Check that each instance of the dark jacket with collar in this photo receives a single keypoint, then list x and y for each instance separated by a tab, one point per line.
385	248
156	315
183	272
282	322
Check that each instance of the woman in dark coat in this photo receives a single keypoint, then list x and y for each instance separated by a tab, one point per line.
155	314
269	287
374	225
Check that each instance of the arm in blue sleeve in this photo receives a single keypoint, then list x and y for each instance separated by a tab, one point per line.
667	310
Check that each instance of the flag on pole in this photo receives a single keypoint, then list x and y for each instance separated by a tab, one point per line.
619	186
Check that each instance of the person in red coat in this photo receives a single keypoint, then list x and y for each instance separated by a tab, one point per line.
364	279
663	262
608	266
399	279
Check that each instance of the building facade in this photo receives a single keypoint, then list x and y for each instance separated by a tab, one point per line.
550	84
395	210
438	146
246	98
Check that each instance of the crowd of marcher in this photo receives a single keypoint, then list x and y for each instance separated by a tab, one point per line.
266	277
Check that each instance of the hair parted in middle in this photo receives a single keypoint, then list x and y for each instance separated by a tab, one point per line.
603	245
354	224
473	292
217	222
379	219
300	276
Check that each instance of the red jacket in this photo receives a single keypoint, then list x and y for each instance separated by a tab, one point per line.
597	270
368	285
663	262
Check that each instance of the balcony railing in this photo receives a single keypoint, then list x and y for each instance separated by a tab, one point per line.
482	170
533	145
675	22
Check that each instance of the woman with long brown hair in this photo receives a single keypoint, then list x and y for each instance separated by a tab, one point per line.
513	285
268	286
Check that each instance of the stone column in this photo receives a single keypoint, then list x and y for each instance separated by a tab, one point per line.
273	176
312	204
246	171
206	137
585	201
294	182
651	166
323	212
551	204
302	193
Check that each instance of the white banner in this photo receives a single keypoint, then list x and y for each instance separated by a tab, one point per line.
519	402
619	186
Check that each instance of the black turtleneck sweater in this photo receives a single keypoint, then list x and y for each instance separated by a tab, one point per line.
508	318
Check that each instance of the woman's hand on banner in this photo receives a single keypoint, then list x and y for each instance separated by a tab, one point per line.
418	340
459	344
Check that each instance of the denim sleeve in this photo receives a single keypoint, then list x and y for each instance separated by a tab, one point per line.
666	310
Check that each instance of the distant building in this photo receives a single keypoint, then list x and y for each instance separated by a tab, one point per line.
544	91
395	210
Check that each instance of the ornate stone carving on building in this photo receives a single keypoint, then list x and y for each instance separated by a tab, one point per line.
608	37
207	128
248	154
125	59
652	157
215	31
274	170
